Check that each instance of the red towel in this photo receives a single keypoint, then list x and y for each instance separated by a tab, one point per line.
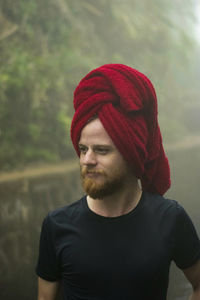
125	102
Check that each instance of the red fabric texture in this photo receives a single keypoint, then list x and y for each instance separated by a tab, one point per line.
125	101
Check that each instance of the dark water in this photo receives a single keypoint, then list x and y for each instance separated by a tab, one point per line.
24	203
185	171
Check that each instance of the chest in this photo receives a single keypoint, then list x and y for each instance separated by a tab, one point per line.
112	253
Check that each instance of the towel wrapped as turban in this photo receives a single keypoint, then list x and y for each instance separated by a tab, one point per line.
125	102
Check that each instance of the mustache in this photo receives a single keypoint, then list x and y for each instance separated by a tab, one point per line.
85	171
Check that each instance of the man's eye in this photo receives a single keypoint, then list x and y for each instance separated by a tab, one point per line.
83	150
102	150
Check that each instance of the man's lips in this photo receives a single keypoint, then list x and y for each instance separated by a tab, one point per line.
92	173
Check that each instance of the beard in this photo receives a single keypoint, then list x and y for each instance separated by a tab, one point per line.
107	186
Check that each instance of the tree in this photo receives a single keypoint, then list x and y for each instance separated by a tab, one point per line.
47	46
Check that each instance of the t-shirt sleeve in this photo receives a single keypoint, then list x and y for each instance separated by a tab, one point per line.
47	265
186	242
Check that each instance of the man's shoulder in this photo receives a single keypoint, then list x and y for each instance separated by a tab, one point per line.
159	203
165	212
66	213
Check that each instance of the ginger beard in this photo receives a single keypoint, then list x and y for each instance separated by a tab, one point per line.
101	184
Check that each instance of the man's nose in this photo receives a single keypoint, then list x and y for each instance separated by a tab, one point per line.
89	158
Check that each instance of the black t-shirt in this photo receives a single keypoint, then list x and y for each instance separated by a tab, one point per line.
125	257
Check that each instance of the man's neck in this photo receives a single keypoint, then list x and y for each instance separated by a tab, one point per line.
117	204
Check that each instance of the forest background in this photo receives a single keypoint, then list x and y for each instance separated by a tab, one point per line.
46	47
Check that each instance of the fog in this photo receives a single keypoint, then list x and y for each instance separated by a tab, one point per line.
45	49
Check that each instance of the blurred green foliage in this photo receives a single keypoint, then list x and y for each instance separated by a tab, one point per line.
47	46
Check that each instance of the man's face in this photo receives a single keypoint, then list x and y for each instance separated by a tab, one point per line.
103	169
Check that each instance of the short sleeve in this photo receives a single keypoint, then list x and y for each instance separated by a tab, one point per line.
186	250
47	265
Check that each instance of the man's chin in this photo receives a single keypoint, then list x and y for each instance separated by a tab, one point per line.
93	188
99	191
101	187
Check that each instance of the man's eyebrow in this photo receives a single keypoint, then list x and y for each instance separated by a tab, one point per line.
96	145
102	146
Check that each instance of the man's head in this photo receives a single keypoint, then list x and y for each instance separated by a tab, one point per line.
125	102
103	169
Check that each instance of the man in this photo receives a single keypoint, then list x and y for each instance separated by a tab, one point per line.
118	241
